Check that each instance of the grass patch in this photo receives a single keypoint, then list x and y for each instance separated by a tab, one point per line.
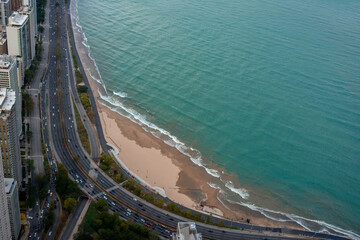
83	135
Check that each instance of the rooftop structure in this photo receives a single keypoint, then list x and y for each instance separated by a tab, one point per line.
17	19
186	231
7	100
9	184
5	61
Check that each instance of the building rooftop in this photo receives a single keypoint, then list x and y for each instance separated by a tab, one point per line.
17	19
186	231
7	99
9	185
2	39
5	61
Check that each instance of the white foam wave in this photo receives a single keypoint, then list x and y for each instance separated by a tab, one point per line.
302	221
93	77
84	43
212	172
213	185
171	140
240	191
120	94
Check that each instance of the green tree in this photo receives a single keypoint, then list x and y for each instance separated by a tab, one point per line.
160	203
49	219
174	207
70	204
29	134
82	89
30	164
101	205
28	103
149	198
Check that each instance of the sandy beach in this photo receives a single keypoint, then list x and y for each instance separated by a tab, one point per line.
161	165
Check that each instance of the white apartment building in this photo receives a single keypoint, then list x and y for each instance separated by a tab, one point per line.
9	79
5	228
9	139
18	34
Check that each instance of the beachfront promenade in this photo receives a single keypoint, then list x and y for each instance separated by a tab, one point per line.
97	184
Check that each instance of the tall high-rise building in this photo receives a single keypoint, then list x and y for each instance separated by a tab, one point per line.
9	138
15	4
5	228
32	4
9	79
5	11
12	195
18	34
29	11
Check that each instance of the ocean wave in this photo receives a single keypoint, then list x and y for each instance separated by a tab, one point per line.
213	185
302	221
86	45
243	193
193	154
212	172
120	94
93	77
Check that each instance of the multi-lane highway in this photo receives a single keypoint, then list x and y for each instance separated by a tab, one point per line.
60	136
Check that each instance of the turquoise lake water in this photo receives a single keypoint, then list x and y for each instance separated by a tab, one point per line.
267	90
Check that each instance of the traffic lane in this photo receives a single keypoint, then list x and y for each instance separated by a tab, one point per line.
70	227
